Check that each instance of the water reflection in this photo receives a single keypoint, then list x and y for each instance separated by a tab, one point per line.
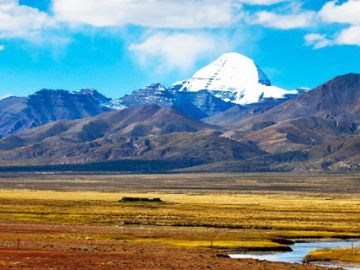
300	250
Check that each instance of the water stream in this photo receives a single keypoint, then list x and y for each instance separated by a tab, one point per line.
300	250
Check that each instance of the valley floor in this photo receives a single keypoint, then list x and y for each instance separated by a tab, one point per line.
50	221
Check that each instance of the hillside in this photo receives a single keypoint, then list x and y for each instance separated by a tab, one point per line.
19	113
146	132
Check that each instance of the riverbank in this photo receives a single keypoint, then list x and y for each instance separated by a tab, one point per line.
300	253
348	255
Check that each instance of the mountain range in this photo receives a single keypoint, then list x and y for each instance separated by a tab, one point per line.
19	113
227	117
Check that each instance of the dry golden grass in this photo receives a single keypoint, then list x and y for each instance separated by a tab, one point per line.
338	254
199	212
243	221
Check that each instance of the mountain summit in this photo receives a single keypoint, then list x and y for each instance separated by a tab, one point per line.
235	78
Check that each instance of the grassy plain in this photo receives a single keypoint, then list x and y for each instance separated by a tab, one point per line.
351	255
199	213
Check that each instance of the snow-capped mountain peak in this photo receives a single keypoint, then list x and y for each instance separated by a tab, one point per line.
236	78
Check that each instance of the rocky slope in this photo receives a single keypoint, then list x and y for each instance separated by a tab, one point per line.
326	113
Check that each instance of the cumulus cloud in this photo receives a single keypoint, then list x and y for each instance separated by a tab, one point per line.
261	2
190	14
284	21
174	14
25	22
349	36
20	21
177	51
344	13
347	12
317	40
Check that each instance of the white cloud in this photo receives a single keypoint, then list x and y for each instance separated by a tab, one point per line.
349	36
190	14
2	47
317	40
347	12
261	2
19	21
172	14
284	21
177	51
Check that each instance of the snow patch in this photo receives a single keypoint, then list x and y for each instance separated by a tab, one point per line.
236	78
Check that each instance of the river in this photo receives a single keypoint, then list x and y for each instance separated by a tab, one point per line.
300	250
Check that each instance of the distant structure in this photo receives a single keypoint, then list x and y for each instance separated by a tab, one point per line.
137	199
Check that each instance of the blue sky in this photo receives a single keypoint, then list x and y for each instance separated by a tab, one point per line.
120	46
